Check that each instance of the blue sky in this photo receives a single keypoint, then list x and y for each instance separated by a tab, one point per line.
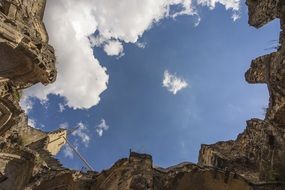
143	115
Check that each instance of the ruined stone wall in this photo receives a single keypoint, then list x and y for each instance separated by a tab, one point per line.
17	165
259	152
254	161
26	58
26	133
137	173
262	11
142	176
56	140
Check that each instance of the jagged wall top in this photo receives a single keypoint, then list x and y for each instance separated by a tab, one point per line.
262	11
26	57
258	153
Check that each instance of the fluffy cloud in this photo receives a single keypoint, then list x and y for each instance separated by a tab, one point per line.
81	79
102	127
82	133
26	104
68	152
173	83
32	123
71	25
80	137
141	44
113	48
229	4
236	16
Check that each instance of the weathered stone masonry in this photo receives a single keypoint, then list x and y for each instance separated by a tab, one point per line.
259	152
254	161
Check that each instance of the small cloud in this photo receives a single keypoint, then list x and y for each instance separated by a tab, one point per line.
61	107
197	22
173	83
113	47
74	22
96	41
44	103
64	125
82	133
32	123
236	16
233	5
102	127
120	56
68	152
26	104
141	44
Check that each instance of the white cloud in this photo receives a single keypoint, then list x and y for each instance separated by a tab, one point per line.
113	47
229	4
102	127
44	103
197	22
96	41
67	151
82	133
64	125
71	23
32	123
173	83
127	20
81	79
61	107
236	16
80	136
26	104
141	44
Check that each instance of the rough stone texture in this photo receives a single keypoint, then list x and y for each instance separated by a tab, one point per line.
258	153
26	58
252	154
254	161
262	11
16	163
137	173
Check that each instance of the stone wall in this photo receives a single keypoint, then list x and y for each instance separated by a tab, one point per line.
261	12
259	152
56	140
254	161
17	165
26	58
